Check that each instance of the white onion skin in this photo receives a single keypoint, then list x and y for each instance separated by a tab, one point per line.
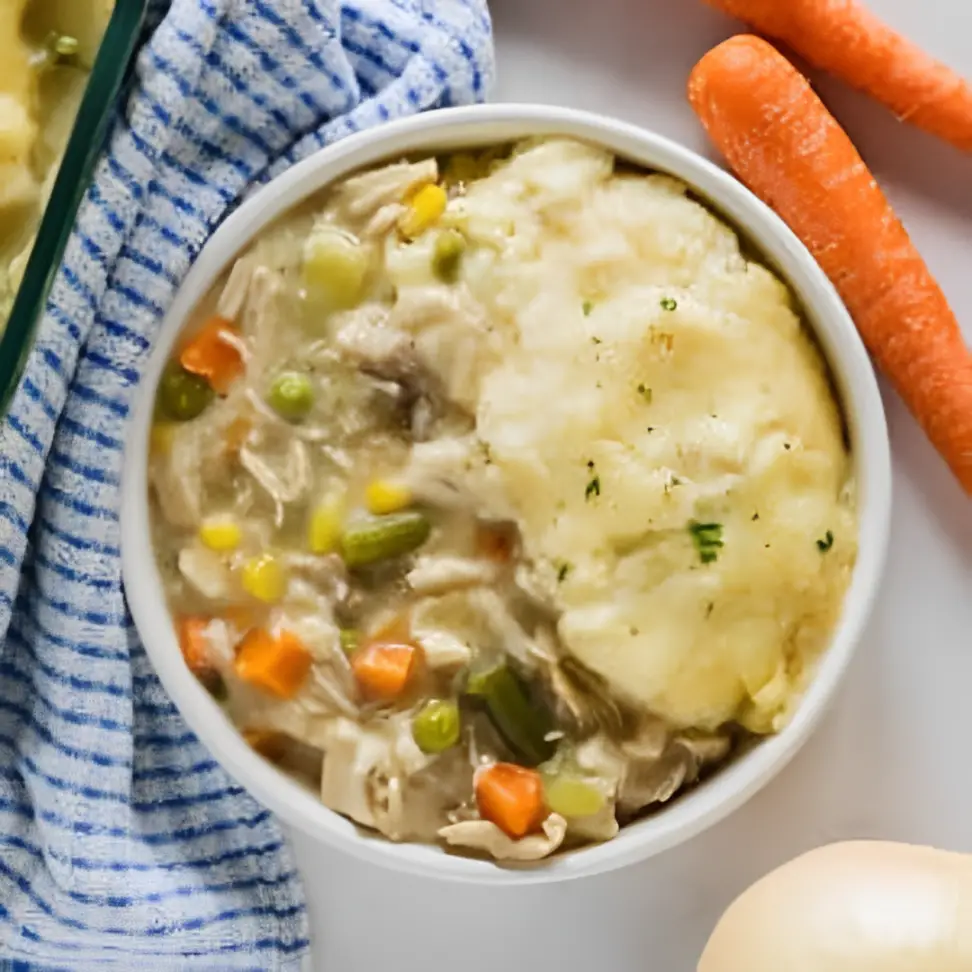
852	907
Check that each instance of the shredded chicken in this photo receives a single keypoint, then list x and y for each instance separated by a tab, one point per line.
177	479
286	487
206	572
442	649
368	340
384	220
452	473
438	575
484	836
497	615
450	337
362	196
353	754
233	297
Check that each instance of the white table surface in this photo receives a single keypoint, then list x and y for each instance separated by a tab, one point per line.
893	758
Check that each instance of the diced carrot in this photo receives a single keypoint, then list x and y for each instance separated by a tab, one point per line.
384	669
278	665
195	651
269	743
195	644
212	357
511	797
494	543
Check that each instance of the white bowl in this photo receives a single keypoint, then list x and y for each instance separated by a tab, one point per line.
461	128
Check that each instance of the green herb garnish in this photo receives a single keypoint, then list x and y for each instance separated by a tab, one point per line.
669	304
562	572
707	538
826	543
587	307
593	487
645	392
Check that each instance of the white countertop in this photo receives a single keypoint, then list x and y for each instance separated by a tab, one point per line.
892	758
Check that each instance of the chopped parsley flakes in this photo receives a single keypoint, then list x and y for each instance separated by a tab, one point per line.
826	542
593	487
562	572
645	392
707	538
669	304
587	307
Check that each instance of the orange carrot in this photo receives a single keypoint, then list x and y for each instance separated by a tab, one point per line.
195	651
784	144
511	797
846	39
211	356
383	669
278	665
194	644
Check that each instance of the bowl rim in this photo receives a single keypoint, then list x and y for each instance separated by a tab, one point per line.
857	386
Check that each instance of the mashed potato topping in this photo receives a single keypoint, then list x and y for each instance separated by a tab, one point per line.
653	377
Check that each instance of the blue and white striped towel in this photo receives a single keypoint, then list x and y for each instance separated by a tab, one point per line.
122	844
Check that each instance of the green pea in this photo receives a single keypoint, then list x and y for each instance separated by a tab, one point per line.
436	726
447	255
291	396
182	395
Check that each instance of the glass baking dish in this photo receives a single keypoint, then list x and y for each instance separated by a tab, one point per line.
96	111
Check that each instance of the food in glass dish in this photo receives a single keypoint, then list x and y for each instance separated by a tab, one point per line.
501	497
47	48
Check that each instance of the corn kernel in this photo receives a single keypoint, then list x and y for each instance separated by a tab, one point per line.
220	533
326	524
264	578
424	208
383	496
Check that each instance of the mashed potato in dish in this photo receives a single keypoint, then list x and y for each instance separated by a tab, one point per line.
47	49
501	497
655	379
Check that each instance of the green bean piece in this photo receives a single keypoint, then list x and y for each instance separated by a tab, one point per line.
572	796
520	721
183	396
376	538
291	396
447	255
436	726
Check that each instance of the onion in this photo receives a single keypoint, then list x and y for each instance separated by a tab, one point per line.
853	907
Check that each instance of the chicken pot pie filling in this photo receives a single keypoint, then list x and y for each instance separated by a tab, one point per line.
501	497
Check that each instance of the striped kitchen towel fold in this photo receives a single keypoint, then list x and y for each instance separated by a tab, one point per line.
122	844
